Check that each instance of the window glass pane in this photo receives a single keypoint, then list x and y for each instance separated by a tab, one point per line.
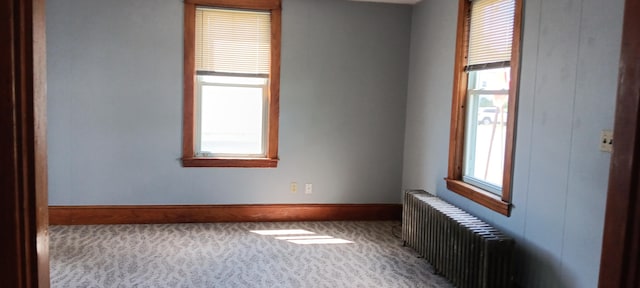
231	120
486	128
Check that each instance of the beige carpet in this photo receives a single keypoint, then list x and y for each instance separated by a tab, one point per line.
294	254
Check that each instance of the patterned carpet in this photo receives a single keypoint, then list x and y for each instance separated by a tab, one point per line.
294	254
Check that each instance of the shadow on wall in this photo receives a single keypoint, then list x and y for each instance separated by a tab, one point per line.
535	267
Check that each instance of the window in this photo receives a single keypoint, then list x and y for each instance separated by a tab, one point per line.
484	102
231	83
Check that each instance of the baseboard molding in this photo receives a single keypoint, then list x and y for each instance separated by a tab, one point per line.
156	214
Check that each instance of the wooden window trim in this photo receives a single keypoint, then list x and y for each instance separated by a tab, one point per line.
229	162
500	204
188	152
239	4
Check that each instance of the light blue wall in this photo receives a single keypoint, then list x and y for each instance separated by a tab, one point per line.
115	112
115	106
567	96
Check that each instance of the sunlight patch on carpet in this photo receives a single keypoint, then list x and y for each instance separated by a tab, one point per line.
301	237
282	232
321	241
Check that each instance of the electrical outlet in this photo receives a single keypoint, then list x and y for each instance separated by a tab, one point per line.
606	141
293	187
308	188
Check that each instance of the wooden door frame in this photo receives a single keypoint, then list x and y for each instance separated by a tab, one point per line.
620	254
24	240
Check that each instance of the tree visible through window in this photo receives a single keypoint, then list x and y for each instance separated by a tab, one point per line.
231	83
484	101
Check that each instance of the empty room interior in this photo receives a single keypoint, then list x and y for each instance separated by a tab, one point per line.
364	114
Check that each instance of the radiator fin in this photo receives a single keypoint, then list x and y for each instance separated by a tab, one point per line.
459	246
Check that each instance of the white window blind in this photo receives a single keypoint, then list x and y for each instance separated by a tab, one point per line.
490	31
233	41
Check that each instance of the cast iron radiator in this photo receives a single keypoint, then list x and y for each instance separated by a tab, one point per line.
459	246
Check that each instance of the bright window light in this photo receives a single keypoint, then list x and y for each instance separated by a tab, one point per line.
231	120
486	128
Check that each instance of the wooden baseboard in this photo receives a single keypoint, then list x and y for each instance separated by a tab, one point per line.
156	214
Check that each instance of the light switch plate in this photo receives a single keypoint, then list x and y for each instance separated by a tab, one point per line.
606	141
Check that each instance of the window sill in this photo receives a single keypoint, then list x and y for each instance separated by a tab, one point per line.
480	196
230	162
